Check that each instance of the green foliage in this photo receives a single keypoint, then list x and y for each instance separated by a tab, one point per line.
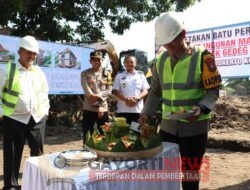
90	142
119	131
154	141
112	118
232	85
232	82
101	146
88	136
96	131
51	20
119	147
133	136
138	146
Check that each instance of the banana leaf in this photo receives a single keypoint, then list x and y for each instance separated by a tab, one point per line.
154	141
138	146
119	147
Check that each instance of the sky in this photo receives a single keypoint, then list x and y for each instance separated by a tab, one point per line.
202	15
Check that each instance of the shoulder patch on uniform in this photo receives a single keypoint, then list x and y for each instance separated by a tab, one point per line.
210	62
83	74
210	74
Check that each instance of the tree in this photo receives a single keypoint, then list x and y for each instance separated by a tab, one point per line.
237	84
52	20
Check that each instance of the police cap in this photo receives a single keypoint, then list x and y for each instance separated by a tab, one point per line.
96	54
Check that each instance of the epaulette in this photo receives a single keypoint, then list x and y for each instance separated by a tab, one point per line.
84	72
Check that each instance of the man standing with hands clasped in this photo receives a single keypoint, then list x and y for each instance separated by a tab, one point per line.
97	86
130	87
187	79
24	105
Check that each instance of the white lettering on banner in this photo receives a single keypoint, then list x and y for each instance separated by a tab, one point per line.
230	46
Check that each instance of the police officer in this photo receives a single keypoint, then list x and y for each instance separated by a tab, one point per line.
24	104
186	78
97	86
130	87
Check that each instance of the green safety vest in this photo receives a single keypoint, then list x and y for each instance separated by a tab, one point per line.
181	87
11	90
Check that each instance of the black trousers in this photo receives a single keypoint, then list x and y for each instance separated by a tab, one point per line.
89	120
15	134
129	117
192	148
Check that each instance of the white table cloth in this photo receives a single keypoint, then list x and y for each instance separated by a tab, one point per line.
35	178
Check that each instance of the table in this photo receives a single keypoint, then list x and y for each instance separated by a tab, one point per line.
146	174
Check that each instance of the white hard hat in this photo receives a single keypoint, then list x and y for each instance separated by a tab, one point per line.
29	43
167	28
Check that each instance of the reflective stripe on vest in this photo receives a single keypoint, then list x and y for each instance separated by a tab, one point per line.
11	90
181	87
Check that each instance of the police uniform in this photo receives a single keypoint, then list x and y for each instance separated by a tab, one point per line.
130	84
191	136
95	83
99	82
186	79
211	82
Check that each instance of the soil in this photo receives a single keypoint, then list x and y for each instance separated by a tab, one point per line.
228	145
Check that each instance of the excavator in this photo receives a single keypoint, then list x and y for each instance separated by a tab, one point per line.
117	65
117	61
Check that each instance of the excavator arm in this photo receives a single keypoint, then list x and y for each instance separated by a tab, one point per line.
109	48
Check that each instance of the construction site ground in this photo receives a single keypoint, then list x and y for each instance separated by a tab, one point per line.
228	146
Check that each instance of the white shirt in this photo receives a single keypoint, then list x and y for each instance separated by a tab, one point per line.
34	89
130	84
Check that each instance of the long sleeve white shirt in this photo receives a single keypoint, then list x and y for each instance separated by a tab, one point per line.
33	92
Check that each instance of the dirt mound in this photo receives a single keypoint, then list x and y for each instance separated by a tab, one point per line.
230	124
232	112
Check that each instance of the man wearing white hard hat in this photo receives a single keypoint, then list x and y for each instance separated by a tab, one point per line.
187	80
24	106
